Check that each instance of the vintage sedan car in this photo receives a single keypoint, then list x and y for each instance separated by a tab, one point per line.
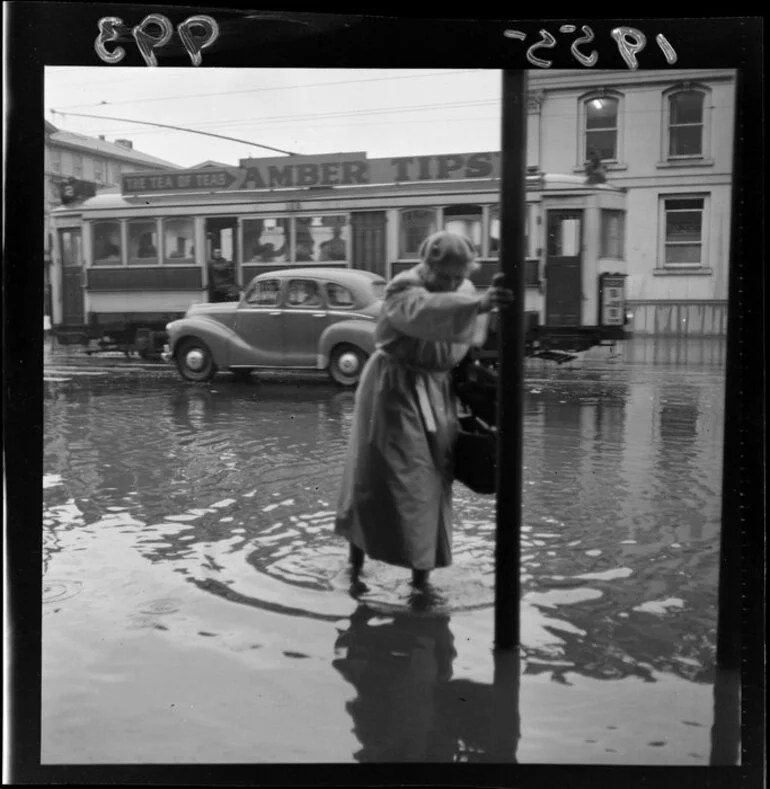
310	318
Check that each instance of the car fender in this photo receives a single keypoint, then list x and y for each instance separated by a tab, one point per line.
353	332
216	335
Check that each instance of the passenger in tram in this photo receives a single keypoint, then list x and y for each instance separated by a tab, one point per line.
334	248
395	503
146	248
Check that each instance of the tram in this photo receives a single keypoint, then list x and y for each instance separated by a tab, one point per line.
130	259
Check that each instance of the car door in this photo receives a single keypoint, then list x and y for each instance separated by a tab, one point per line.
258	324
305	316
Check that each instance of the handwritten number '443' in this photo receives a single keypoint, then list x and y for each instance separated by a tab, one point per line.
109	27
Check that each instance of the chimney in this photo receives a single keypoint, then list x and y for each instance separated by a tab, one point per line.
125	144
101	136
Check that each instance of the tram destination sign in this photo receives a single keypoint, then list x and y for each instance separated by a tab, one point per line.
298	172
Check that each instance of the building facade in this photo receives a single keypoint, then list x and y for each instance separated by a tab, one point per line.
667	137
79	165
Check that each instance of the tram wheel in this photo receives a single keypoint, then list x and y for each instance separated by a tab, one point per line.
194	360
346	364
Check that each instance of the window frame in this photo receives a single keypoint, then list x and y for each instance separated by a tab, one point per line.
304	306
667	96
617	162
168	261
289	218
146	262
437	219
348	240
279	294
92	244
662	265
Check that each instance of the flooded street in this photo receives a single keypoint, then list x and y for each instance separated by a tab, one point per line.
195	608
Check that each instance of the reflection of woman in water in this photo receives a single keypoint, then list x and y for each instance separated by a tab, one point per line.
407	707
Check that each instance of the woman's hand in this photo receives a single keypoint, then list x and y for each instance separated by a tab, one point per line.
495	296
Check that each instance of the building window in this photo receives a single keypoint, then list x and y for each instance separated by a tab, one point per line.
99	171
613	234
143	242
321	238
77	165
465	220
683	231
266	240
178	240
415	226
601	127
685	124
106	243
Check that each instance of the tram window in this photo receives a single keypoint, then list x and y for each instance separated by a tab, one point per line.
178	240
465	220
142	243
321	238
266	293
106	243
494	232
613	234
415	226
266	240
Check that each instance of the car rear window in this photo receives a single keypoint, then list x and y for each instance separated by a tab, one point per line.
338	295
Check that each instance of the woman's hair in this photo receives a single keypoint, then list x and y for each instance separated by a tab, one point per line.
446	248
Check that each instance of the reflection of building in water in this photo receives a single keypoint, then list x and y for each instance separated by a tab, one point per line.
407	707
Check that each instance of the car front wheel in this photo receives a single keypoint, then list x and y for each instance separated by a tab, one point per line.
346	364
194	361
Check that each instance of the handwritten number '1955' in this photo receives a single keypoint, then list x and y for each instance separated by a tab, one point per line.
629	41
109	27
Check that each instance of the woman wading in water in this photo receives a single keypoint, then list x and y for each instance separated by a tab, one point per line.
396	499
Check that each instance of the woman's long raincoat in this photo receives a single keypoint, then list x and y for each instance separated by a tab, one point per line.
396	497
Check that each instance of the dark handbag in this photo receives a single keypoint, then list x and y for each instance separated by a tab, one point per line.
475	455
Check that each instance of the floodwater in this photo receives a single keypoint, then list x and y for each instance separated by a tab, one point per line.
195	607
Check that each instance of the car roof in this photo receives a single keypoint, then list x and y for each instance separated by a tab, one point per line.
337	274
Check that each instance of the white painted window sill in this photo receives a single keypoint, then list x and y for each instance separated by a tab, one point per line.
695	162
698	271
608	166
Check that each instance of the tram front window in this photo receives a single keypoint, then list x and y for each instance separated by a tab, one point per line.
266	240
106	244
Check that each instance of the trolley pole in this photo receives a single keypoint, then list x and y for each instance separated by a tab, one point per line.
511	360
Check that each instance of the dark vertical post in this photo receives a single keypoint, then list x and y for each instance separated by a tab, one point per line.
511	359
726	728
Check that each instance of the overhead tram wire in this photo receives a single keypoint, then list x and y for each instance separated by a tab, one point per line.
276	87
178	128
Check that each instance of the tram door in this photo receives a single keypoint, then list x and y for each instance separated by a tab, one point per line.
70	244
222	234
563	269
369	246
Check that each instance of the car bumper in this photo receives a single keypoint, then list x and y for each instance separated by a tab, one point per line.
166	353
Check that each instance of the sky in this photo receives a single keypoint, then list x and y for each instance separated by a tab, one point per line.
383	112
